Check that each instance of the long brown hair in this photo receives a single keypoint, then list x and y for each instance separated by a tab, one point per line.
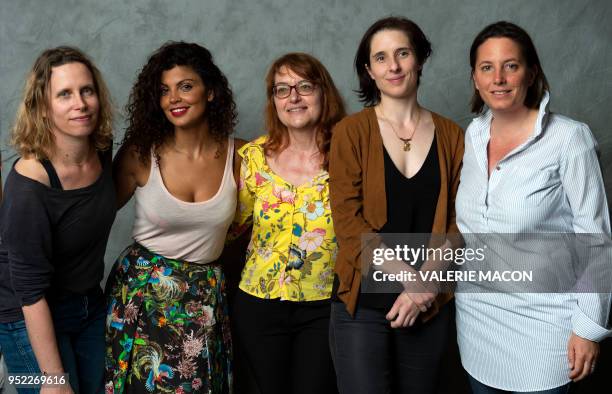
31	134
332	106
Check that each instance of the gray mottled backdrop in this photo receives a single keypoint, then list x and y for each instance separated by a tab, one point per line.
574	39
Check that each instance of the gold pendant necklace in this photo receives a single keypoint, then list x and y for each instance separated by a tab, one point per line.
406	141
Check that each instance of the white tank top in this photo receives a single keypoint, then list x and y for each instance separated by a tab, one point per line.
192	231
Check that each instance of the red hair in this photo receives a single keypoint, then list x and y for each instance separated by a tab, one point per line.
332	106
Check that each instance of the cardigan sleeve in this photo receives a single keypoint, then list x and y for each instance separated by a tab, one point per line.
456	162
27	236
346	193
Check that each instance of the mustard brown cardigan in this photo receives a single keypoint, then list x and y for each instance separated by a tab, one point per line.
357	192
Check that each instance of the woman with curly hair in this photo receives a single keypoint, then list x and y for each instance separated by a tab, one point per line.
281	312
167	326
55	218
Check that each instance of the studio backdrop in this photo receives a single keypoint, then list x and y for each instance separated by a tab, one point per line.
573	39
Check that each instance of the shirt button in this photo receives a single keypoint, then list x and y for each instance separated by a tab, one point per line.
498	168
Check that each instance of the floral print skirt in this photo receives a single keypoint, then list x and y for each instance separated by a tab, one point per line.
167	327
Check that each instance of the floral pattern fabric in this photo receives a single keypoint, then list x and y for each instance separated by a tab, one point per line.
293	245
167	327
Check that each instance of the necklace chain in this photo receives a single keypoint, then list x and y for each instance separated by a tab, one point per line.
406	141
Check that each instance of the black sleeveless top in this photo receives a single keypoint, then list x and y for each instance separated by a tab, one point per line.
411	207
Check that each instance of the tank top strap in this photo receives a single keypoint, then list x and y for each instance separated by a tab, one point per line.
229	161
53	178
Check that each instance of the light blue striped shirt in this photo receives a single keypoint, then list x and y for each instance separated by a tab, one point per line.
552	183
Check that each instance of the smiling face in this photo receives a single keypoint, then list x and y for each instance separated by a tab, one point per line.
73	101
393	64
184	97
501	76
297	112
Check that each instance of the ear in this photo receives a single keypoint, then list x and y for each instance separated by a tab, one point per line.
474	82
211	96
369	72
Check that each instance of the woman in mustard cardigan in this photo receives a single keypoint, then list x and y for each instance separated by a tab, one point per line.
394	168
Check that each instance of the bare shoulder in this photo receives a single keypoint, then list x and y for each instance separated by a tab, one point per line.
33	169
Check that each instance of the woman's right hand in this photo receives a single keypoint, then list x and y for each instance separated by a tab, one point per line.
404	311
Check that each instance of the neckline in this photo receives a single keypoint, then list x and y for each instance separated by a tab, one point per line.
311	182
420	170
374	120
52	189
228	160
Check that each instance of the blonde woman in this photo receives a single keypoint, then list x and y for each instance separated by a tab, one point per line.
57	212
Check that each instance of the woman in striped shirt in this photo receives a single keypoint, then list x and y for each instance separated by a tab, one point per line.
525	171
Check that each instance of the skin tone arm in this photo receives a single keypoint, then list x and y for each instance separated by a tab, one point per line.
37	316
128	173
42	338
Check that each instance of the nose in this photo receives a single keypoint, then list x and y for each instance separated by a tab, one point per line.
294	96
174	97
80	102
500	77
393	64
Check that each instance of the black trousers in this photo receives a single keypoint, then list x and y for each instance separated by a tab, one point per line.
372	358
286	344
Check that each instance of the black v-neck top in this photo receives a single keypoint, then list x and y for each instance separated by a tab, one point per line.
411	206
52	240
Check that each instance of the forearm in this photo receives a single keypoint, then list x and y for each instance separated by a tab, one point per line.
42	336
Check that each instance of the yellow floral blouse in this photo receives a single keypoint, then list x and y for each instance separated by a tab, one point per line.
293	247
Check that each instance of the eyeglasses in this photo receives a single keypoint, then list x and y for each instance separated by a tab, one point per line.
303	88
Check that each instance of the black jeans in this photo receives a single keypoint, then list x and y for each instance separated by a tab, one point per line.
372	358
286	344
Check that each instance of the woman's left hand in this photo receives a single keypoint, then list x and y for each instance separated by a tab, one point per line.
582	355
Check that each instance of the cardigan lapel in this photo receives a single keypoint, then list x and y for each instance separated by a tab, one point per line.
376	168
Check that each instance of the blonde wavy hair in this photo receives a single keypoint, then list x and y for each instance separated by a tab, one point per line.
31	134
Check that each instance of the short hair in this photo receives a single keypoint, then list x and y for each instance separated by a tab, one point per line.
32	132
503	29
332	111
148	126
368	91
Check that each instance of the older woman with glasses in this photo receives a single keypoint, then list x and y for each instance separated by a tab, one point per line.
282	309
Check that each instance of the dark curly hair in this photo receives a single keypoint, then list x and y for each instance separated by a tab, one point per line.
148	127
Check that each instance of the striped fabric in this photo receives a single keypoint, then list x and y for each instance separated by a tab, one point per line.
550	184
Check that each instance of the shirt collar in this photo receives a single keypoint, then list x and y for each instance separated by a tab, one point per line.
483	122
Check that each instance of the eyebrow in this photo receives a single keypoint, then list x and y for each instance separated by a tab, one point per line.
90	86
512	59
395	51
181	81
